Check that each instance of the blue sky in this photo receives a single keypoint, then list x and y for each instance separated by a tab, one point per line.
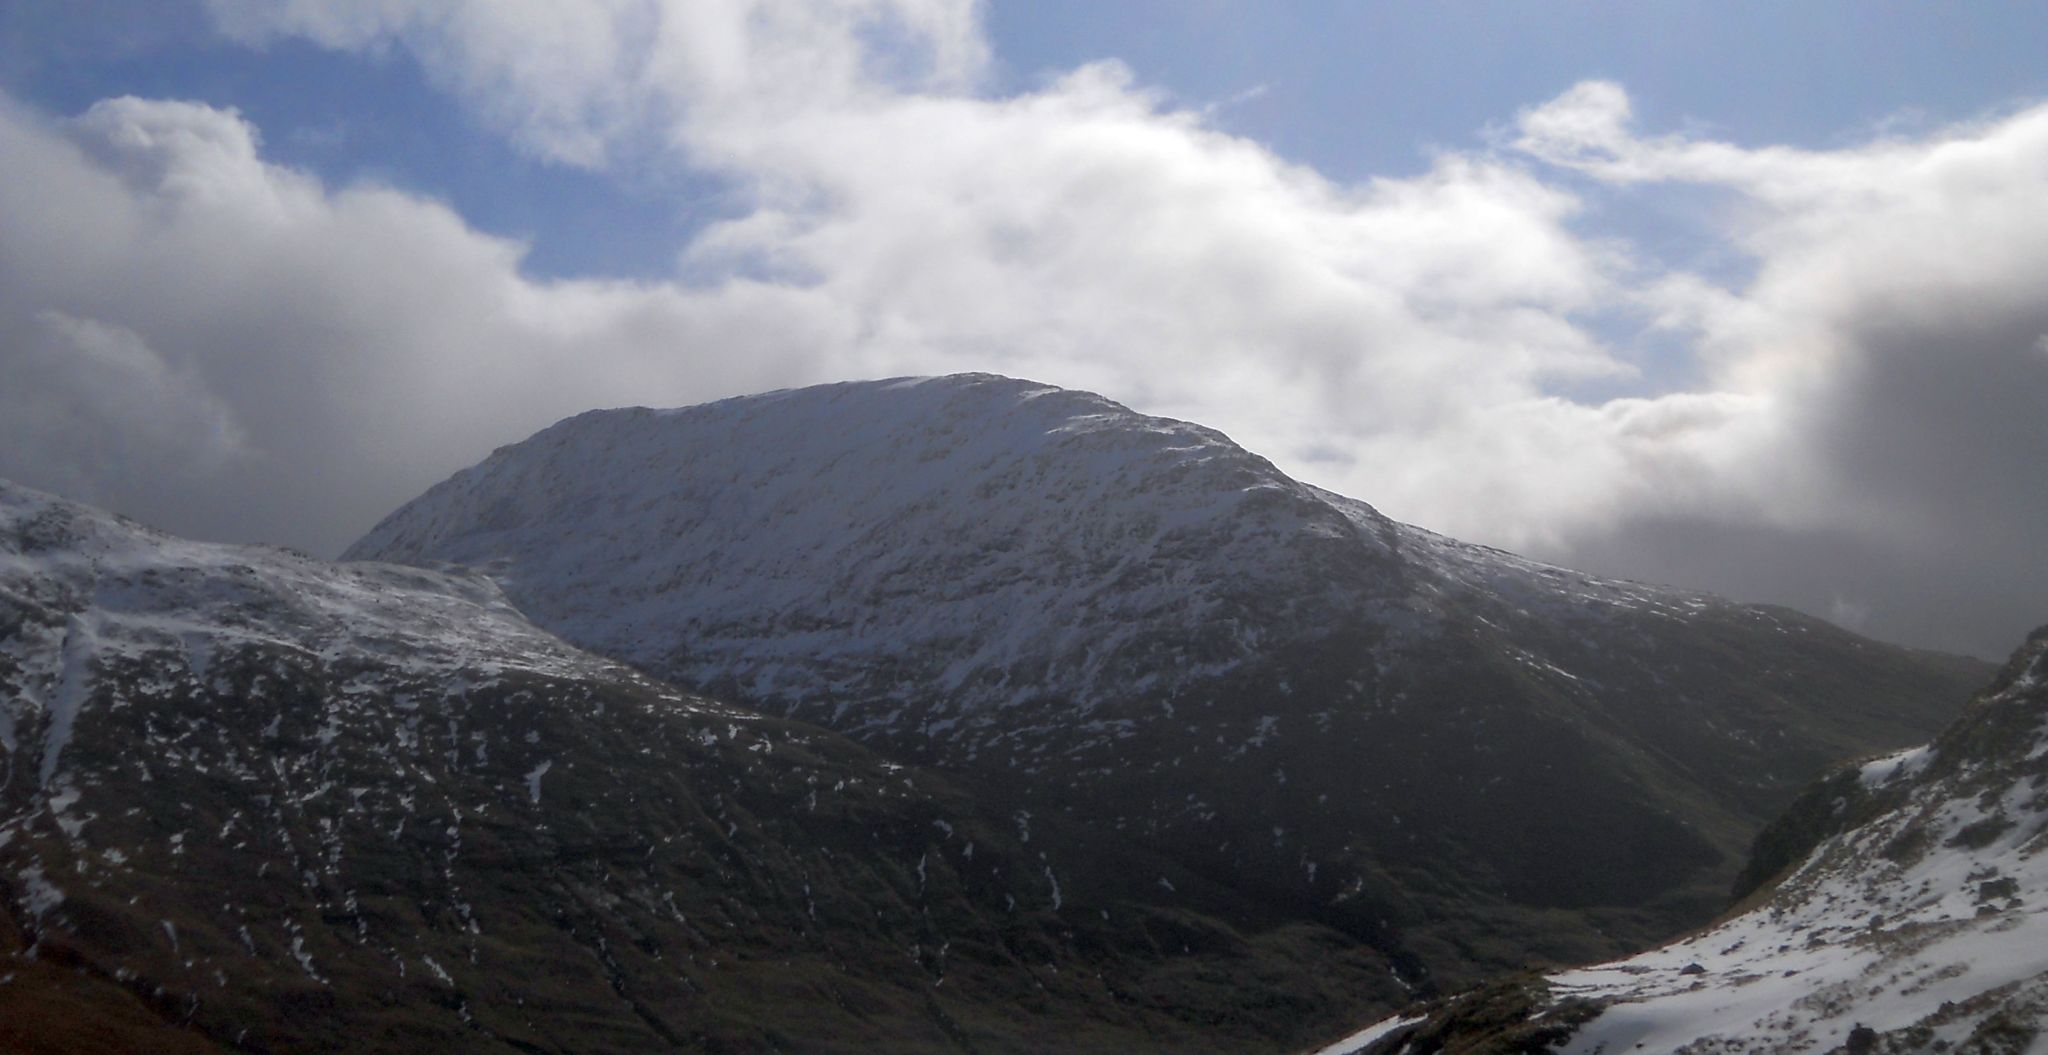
357	117
1355	90
1742	296
1363	89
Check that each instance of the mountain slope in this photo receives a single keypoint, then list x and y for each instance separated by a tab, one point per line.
984	541
252	801
1085	612
1915	920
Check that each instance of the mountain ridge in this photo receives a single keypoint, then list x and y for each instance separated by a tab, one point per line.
1031	452
1133	622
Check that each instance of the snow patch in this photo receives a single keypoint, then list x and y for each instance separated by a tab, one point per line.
74	684
1899	764
1358	1041
42	895
533	779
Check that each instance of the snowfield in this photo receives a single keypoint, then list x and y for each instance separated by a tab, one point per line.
822	543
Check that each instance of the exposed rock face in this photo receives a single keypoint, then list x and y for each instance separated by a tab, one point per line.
1128	621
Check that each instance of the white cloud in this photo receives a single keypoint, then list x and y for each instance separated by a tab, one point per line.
1084	233
1410	341
1888	340
362	341
92	410
578	82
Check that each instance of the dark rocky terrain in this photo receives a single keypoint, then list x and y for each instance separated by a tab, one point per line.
256	802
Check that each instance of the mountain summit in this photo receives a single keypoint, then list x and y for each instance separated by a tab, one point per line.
924	553
1455	754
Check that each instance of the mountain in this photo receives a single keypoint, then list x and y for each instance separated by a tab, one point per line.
1444	751
1908	912
252	801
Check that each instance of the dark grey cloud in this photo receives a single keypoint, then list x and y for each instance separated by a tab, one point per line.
1939	423
1952	599
1932	436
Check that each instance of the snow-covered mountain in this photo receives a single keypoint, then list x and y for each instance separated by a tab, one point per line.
251	801
929	553
1918	923
924	553
1150	745
1442	749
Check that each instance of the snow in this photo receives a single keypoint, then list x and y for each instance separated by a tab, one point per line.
42	895
125	590
64	796
1524	585
683	498
945	554
305	958
80	641
1358	1041
533	779
780	528
1899	764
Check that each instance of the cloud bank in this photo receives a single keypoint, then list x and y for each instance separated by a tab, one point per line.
1857	424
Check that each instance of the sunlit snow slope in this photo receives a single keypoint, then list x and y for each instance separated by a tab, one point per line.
1918	924
922	550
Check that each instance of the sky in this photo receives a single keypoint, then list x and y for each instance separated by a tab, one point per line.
1744	297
